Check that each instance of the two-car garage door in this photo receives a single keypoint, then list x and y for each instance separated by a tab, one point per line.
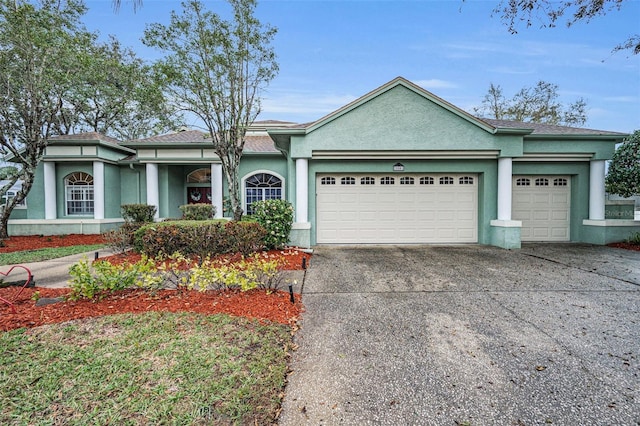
397	209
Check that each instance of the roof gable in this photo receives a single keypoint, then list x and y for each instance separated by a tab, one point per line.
399	82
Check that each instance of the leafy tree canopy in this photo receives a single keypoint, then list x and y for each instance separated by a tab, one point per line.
623	176
538	104
548	13
216	69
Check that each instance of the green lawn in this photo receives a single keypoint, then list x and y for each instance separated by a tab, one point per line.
152	368
38	255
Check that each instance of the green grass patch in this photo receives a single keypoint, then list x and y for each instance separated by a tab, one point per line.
39	255
152	368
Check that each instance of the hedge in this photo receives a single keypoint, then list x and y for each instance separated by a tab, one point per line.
200	238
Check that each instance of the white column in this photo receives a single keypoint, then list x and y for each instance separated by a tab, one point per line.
98	190
302	190
596	190
216	189
153	193
504	188
50	190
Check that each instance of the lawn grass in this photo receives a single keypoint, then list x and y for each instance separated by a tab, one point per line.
151	368
38	255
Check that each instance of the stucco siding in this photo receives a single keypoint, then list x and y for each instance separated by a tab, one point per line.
35	198
399	119
112	197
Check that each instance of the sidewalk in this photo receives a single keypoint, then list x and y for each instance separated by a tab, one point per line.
53	273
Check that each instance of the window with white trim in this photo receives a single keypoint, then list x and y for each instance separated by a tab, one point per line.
260	187
426	180
465	180
387	180
78	190
446	180
199	176
328	180
405	180
367	180
11	194
348	181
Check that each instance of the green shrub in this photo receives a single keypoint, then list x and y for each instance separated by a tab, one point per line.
199	238
89	281
138	213
634	239
276	216
198	211
248	274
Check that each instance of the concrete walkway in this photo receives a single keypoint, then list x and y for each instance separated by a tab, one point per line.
52	273
549	334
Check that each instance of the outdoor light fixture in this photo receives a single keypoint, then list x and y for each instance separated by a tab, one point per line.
398	167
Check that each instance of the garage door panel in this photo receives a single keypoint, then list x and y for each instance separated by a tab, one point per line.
543	210
397	213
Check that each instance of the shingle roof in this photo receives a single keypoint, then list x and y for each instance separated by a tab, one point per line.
86	136
548	129
253	143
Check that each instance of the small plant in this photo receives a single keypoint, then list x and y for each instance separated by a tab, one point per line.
276	216
634	239
198	211
138	213
89	281
119	240
35	296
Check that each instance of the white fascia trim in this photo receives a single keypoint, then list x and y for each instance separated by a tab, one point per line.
506	223
405	155
554	157
301	225
611	222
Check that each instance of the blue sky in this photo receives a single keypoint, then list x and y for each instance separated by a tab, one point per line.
332	52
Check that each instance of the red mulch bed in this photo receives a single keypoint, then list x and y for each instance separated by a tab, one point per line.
257	304
626	246
35	242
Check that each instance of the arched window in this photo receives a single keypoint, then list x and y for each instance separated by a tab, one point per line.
79	193
261	186
199	176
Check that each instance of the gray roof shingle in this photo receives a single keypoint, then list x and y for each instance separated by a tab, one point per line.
548	129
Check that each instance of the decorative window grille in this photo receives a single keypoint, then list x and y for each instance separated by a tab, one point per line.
465	180
367	181
446	180
405	180
328	181
260	187
79	194
348	181
426	180
387	180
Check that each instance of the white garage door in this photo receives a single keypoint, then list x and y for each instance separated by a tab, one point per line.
543	204
397	209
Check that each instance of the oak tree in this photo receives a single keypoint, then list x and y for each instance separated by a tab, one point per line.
216	69
537	104
623	175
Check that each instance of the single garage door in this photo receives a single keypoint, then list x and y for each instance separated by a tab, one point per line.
397	209
543	204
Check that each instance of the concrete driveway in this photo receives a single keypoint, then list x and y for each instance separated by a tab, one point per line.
468	335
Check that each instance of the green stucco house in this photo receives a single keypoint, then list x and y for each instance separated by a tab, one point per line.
397	166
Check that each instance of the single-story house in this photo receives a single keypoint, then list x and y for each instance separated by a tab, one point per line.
397	166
